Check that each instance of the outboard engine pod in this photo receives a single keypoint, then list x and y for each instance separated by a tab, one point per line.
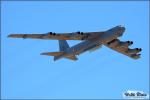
78	32
133	51
54	33
81	33
135	56
50	33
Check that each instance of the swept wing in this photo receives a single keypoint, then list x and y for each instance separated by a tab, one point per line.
123	47
54	36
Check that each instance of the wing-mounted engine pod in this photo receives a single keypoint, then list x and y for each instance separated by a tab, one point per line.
24	36
81	33
126	43
134	51
135	56
130	42
139	49
52	33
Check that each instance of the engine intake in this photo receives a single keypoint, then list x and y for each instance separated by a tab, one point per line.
54	33
51	33
130	42
81	33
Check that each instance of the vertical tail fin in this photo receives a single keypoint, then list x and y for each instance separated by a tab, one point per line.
63	45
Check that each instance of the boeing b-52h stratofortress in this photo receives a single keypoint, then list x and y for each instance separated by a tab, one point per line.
90	41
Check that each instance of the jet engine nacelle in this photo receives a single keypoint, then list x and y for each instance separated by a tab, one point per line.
116	42
51	33
135	56
81	33
126	43
134	51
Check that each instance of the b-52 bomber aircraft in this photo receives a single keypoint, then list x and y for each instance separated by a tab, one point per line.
90	42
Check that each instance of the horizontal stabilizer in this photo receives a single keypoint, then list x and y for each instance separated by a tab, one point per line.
52	53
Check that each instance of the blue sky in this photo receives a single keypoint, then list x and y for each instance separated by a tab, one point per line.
100	74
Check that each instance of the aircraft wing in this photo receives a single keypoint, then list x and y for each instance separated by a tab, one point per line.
65	36
122	47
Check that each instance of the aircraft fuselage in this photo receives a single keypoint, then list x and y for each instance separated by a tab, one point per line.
86	45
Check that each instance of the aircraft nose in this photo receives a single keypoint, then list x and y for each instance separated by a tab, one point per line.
122	28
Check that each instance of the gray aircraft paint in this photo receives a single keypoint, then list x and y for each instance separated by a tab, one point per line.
89	44
90	41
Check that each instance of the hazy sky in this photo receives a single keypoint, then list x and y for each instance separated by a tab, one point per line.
100	74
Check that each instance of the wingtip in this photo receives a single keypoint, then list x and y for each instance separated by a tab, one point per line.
10	35
136	56
43	53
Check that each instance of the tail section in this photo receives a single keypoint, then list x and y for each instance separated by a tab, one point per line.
57	55
63	46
